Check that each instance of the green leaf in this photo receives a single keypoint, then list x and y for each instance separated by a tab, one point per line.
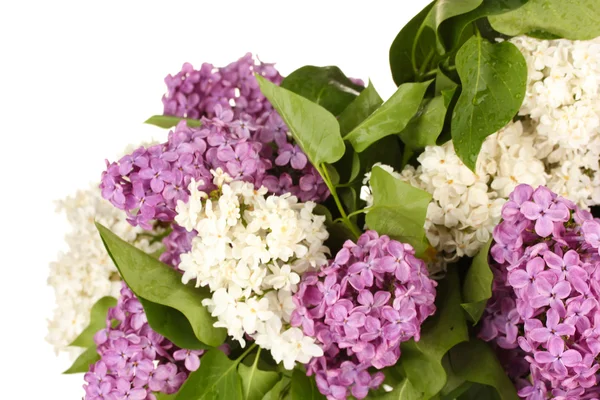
443	83
424	372
444	10
255	382
575	19
447	327
156	282
455	385
386	151
453	31
326	86
426	126
97	321
404	391
217	378
304	387
422	360
477	288
475	361
279	390
392	117
494	77
169	121
83	362
477	392
314	128
360	108
164	396
171	324
398	209
414	45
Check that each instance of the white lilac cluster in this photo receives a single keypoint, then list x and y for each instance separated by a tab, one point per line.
250	251
555	142
85	273
563	106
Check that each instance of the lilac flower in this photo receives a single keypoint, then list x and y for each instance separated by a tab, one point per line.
124	391
190	357
526	279
552	329
545	301
292	155
559	358
134	360
248	140
349	307
158	173
549	294
544	211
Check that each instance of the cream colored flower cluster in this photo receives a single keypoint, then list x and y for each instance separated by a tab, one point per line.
554	142
85	273
251	250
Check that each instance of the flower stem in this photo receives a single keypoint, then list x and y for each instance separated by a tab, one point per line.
352	214
245	353
345	219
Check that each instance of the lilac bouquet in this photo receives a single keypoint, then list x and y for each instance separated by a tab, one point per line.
296	237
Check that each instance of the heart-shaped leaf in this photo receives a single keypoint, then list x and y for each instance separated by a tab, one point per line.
575	19
158	283
392	117
326	86
494	78
217	378
314	128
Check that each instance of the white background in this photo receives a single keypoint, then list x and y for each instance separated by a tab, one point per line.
77	80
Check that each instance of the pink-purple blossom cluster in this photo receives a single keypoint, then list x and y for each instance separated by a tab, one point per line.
136	362
196	93
545	311
373	296
240	133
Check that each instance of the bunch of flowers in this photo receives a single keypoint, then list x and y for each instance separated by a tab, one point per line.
225	229
250	250
136	362
374	295
546	294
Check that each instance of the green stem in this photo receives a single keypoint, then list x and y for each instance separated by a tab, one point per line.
413	53
344	185
244	354
429	74
421	73
325	174
254	367
352	214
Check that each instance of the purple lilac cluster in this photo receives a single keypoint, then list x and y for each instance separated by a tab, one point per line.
136	362
545	312
373	296
240	133
196	93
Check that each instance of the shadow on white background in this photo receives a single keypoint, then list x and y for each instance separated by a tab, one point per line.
77	80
